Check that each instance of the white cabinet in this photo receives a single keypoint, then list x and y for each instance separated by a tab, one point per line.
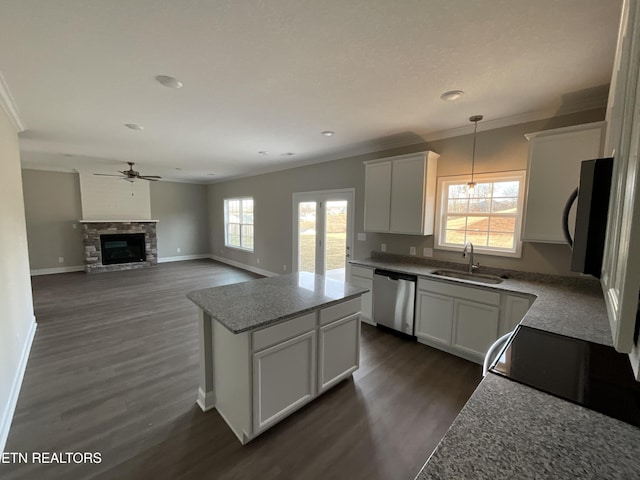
363	277
256	378
553	173
284	379
400	194
377	199
514	309
620	278
434	317
458	319
339	351
476	327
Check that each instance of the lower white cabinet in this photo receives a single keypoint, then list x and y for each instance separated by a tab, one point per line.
260	377
363	277
476	326
515	308
434	317
339	351
461	320
284	379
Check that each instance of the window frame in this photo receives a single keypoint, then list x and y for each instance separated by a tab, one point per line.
226	223
443	184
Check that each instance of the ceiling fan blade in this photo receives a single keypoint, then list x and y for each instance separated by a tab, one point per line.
107	175
152	178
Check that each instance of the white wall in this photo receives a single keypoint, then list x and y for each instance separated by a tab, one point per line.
111	198
17	323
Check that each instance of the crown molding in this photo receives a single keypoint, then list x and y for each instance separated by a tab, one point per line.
589	104
8	104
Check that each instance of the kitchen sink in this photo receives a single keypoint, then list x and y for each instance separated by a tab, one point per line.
473	277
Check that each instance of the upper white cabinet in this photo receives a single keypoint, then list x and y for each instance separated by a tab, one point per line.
620	278
553	173
400	194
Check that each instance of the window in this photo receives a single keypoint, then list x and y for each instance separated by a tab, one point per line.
238	223
490	217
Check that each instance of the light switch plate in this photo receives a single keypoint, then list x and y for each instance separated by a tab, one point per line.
362	237
383	247
412	250
427	252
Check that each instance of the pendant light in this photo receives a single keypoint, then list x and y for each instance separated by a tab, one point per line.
471	186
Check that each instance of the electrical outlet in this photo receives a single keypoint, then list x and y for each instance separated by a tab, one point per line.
383	247
74	226
412	251
427	252
60	259
284	268
178	249
362	237
258	261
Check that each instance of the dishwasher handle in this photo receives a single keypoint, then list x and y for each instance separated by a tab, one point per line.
395	275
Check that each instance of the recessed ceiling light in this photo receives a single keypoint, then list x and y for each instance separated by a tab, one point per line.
169	82
287	154
67	155
328	133
452	95
134	126
178	168
263	152
211	174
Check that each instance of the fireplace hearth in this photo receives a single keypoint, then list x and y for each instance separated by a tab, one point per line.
111	245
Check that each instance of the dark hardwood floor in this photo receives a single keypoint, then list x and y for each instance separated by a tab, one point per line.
114	369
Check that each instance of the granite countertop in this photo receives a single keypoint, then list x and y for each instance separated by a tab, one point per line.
509	430
246	306
571	306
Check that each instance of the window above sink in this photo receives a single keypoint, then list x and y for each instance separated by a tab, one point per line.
490	217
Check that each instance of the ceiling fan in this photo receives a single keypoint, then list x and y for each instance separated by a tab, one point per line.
131	174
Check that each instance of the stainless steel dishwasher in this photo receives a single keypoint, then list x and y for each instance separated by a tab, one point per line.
394	297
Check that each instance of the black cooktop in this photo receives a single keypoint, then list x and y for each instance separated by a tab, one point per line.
589	374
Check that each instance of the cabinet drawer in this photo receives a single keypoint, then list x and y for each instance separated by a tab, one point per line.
361	271
459	291
344	309
283	331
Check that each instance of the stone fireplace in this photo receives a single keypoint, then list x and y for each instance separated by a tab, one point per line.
111	245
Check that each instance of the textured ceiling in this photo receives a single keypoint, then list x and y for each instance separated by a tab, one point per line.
271	75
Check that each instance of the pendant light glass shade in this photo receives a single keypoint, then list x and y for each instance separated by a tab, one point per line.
471	186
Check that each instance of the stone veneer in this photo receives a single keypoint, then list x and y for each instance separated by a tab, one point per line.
92	230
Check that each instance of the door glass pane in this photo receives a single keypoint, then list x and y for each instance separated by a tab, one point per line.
335	239
307	237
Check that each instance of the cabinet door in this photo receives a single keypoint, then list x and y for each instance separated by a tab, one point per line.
407	195
284	379
339	346
515	308
475	327
553	173
434	317
366	309
377	197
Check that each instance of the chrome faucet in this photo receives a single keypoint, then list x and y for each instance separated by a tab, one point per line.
472	266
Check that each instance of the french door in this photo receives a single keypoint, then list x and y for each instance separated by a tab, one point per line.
323	232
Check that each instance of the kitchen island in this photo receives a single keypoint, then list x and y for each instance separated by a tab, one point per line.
269	346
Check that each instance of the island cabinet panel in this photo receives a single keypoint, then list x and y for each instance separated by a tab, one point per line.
339	351
283	331
515	308
284	379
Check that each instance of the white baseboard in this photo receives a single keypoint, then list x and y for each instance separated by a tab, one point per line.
50	271
7	416
250	268
180	258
